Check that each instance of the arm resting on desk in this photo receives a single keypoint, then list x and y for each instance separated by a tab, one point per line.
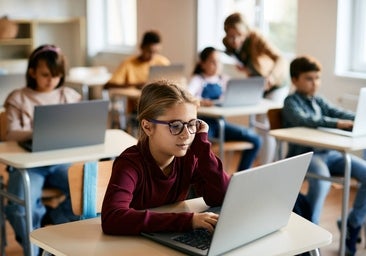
138	184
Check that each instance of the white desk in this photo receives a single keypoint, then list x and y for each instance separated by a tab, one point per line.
87	81
320	139
12	154
220	113
86	238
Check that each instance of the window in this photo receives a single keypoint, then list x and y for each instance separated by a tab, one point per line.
112	29
121	23
276	19
351	37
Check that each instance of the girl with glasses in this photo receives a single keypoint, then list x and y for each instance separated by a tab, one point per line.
173	154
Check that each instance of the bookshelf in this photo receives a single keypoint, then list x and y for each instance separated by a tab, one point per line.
67	33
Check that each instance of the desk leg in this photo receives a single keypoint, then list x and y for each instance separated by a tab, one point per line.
221	123
314	252
85	91
28	210
119	115
346	186
278	150
27	205
2	220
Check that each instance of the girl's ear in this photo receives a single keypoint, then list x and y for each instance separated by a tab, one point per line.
32	72
147	127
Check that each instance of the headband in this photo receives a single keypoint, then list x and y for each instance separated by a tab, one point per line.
47	48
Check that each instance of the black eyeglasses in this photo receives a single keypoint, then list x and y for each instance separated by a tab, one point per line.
176	127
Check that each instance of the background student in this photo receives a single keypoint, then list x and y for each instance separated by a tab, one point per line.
257	57
173	153
208	84
134	72
44	85
305	108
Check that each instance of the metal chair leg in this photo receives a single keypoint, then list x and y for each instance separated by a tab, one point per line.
3	241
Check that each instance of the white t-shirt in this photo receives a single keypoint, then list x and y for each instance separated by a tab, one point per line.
198	83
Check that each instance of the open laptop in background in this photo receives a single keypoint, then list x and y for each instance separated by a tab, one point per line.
359	124
68	125
174	72
242	92
258	201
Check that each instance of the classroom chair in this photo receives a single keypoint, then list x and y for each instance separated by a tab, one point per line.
88	184
229	149
275	122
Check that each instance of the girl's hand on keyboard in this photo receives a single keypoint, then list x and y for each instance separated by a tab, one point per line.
206	220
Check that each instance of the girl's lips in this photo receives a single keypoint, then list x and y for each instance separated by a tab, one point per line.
184	146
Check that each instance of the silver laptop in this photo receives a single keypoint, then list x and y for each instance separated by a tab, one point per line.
242	92
68	125
259	201
174	72
359	124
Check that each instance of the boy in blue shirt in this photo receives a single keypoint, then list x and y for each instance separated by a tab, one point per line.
305	108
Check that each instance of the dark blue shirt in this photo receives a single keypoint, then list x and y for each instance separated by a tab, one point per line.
300	110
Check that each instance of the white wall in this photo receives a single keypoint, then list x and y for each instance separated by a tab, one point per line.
176	20
316	36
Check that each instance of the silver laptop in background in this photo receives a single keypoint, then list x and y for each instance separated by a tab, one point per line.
242	92
69	125
359	124
259	201
174	72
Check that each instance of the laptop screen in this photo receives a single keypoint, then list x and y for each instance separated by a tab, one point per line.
69	125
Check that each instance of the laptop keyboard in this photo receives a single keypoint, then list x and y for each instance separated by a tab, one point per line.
199	238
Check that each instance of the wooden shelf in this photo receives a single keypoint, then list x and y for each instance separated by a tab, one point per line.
67	33
16	41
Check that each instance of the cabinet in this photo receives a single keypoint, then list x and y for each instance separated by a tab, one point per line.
67	33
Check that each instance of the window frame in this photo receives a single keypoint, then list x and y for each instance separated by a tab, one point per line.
212	13
97	31
351	35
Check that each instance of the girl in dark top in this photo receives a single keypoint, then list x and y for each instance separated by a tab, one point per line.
172	154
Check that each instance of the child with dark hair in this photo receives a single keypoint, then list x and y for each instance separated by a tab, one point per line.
134	72
305	108
208	84
45	77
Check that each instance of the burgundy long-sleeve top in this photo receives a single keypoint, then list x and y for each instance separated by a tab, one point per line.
137	184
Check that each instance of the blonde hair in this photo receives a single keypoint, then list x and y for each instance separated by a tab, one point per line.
159	96
236	21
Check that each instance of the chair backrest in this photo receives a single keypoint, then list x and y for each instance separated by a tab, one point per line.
275	118
88	184
3	125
